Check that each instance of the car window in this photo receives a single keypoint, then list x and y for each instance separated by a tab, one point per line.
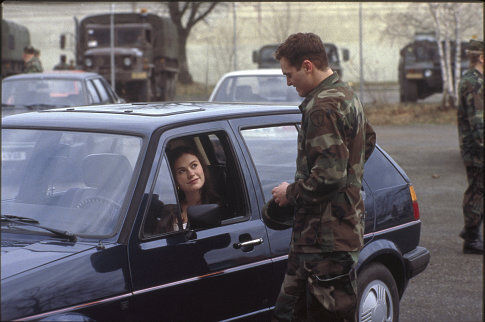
257	89
273	151
218	176
379	172
105	98
109	89
93	94
67	180
36	91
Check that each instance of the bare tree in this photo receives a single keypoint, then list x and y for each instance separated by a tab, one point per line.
449	22
282	21
185	15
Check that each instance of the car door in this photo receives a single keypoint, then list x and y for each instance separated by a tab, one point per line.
270	145
204	274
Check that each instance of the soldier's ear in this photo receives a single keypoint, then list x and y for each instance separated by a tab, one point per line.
307	65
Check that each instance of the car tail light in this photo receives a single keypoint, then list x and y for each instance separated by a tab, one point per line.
415	202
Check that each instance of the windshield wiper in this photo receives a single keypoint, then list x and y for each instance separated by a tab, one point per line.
19	218
32	222
41	105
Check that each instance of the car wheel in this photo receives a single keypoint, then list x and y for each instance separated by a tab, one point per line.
378	299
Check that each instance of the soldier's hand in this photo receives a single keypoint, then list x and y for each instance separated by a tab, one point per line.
279	194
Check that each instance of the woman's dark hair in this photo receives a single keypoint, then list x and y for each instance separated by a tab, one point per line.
301	46
207	194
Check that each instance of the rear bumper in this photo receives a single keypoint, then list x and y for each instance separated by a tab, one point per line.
416	261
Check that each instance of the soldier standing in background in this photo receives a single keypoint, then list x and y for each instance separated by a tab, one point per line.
31	63
470	131
334	141
62	63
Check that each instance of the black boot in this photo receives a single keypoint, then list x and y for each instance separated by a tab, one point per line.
473	242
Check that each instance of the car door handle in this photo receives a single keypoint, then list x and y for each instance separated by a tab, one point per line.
253	242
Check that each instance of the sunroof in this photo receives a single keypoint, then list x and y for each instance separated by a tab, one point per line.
148	109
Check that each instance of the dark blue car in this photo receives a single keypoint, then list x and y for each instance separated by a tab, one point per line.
84	188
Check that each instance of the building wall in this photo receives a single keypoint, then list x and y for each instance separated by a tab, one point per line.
210	45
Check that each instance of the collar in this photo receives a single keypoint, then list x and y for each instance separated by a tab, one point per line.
332	79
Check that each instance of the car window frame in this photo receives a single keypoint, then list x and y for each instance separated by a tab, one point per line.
287	118
90	85
100	88
161	138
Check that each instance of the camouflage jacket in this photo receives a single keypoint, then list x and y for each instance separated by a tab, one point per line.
470	117
334	142
33	66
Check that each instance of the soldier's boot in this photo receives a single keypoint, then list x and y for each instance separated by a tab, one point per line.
473	242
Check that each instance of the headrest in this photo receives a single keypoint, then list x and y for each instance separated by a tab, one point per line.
105	170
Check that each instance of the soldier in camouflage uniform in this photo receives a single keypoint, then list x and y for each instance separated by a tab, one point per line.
334	141
31	63
470	130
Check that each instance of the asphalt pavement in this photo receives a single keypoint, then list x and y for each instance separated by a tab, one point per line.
451	287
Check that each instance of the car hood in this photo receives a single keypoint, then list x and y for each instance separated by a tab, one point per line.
21	256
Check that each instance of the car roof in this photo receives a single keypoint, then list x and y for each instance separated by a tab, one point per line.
255	72
74	74
139	118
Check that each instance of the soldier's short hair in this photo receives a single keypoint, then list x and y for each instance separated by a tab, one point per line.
29	50
300	46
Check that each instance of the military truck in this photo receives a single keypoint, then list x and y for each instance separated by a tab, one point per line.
14	38
264	57
419	67
145	52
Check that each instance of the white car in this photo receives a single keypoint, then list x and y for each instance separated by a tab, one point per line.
255	86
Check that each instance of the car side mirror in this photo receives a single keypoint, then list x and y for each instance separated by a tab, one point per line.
62	43
255	56
346	54
204	216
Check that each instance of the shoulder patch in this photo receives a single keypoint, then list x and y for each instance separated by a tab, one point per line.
317	118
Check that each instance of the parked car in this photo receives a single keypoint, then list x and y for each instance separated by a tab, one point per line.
83	188
27	92
255	86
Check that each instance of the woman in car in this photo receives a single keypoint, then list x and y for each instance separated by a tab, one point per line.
193	187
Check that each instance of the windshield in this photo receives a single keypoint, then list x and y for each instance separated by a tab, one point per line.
43	92
124	37
257	89
71	181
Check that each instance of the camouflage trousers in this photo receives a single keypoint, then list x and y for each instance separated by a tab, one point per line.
318	287
473	198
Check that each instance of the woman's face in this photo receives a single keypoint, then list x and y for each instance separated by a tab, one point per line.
189	173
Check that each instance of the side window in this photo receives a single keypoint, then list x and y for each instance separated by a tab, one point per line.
101	90
199	169
273	150
163	210
93	94
379	172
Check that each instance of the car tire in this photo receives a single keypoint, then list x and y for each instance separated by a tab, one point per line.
378	298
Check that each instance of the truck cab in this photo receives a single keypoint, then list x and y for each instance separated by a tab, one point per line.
145	50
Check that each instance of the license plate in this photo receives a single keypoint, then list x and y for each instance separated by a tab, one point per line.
414	75
13	156
139	75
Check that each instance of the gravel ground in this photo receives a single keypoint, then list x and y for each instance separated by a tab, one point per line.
451	287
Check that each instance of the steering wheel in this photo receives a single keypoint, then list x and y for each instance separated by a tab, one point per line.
99	202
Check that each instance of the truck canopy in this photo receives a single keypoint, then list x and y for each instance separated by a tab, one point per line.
165	37
14	38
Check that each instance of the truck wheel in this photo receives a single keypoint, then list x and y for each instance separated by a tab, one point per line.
377	298
408	91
